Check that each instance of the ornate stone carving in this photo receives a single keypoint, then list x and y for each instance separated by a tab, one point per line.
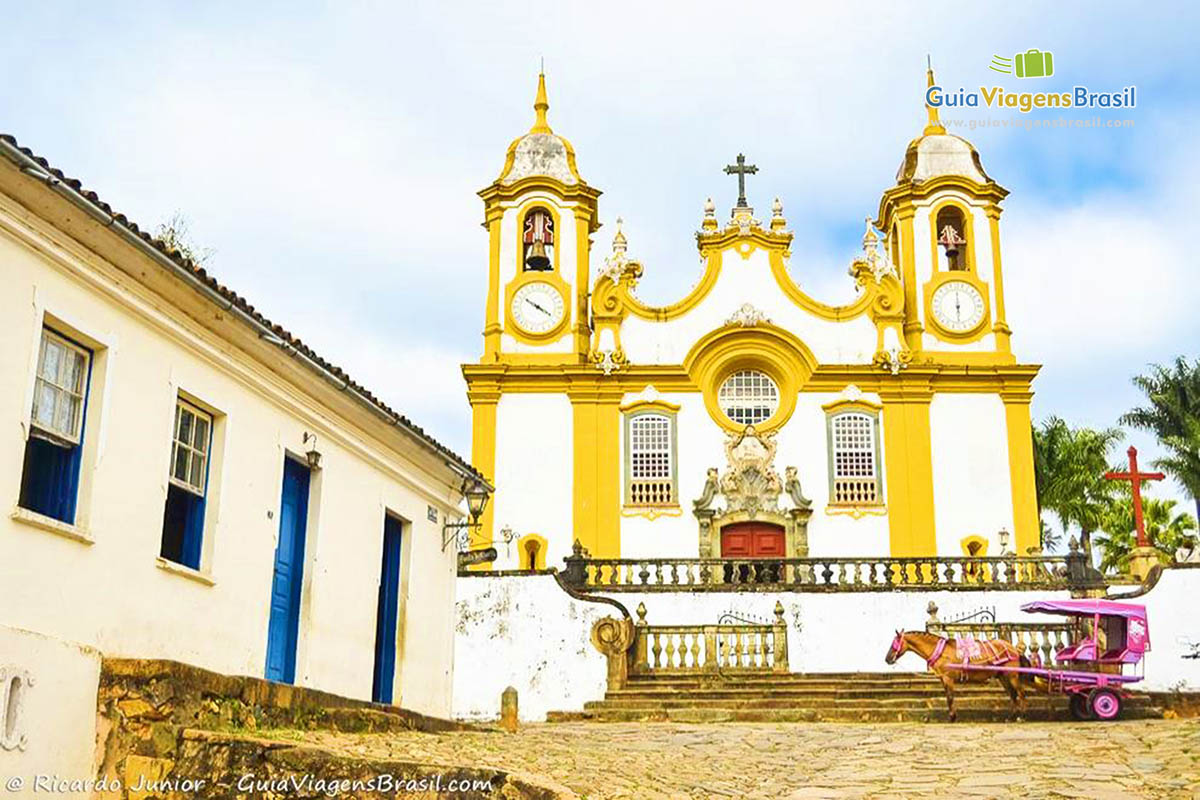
747	316
751	488
791	485
750	482
893	359
613	637
15	683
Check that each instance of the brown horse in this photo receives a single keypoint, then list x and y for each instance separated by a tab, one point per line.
941	654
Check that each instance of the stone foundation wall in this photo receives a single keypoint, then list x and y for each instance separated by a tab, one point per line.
180	731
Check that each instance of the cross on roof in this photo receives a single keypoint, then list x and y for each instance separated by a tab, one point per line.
1136	478
741	169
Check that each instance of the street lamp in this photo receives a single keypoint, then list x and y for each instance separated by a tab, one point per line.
477	493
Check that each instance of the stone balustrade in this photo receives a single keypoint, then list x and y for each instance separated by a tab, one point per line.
723	648
1039	641
828	574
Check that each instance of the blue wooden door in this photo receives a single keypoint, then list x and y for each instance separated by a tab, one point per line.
387	613
288	579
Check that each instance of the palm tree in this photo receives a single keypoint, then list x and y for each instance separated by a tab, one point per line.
1173	415
1166	530
1069	466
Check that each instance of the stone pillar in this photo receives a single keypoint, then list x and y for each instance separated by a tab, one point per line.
613	637
508	710
1142	560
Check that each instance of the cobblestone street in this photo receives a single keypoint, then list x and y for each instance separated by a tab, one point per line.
1136	759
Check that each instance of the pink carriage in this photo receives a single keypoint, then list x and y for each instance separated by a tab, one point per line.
1109	635
1091	671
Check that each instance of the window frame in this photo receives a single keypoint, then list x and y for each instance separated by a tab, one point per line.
831	420
628	495
182	405
75	437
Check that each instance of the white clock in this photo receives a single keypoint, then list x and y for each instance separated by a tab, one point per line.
537	307
958	306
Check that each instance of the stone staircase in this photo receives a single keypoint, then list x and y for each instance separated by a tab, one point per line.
818	697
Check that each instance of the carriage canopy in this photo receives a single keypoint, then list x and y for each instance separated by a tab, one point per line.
1129	632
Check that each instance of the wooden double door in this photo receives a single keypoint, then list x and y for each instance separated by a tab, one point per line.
753	540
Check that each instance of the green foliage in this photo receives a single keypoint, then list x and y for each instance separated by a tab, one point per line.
1166	529
1172	414
174	234
1069	466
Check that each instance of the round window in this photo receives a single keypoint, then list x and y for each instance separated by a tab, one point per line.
748	397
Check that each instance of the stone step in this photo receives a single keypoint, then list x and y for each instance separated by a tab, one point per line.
901	703
910	714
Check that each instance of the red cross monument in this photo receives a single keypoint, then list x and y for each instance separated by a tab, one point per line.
1136	478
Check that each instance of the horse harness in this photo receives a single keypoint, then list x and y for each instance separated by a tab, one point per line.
993	653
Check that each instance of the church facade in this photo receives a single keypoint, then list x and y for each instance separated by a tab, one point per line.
895	425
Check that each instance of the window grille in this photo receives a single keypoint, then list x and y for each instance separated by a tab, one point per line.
855	475
748	397
651	460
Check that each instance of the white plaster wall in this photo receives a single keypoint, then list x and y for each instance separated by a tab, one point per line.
1174	631
111	594
742	281
535	470
57	711
527	633
972	488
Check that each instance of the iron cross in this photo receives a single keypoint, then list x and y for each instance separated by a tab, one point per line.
741	169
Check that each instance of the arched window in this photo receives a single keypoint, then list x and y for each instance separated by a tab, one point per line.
854	477
531	552
952	237
650	466
748	397
537	240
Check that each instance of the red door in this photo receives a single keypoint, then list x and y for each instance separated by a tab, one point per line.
752	540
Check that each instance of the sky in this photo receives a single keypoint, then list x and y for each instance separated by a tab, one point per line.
330	154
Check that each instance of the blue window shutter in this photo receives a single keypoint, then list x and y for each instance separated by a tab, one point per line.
50	479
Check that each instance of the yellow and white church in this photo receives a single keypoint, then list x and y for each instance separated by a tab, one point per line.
896	425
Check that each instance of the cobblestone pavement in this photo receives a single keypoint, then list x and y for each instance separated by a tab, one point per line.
661	761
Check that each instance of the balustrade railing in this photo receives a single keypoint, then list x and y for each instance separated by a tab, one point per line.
1040	641
725	648
826	574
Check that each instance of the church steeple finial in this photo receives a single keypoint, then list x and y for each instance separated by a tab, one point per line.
934	125
541	105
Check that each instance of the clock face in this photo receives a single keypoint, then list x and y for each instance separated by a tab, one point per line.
537	307
958	306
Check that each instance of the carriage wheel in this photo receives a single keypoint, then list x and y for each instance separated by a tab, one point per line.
1105	704
1079	707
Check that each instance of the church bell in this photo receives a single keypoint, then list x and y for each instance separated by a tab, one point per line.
536	256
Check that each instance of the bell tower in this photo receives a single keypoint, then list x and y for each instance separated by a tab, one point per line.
942	222
540	215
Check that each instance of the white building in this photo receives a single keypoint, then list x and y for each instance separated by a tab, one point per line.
905	414
183	479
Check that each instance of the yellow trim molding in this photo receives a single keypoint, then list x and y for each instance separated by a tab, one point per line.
764	347
651	512
597	472
908	460
641	404
1028	529
855	512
